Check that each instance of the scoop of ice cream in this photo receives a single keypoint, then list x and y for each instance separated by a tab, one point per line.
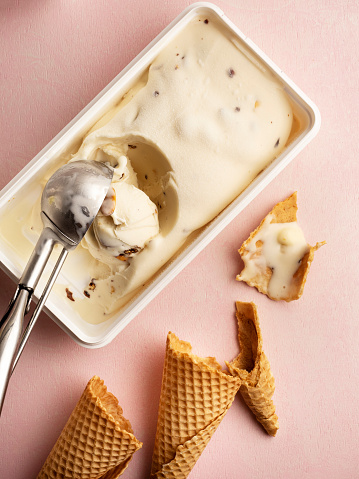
127	219
133	222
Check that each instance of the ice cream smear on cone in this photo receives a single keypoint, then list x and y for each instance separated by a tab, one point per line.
253	368
276	256
195	395
96	442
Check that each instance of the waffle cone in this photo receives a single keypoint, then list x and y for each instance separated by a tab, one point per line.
253	368
195	396
96	442
259	277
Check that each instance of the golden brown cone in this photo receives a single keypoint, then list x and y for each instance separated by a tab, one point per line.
253	368
195	396
283	212
97	442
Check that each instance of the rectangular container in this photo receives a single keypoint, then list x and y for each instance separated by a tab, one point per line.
93	336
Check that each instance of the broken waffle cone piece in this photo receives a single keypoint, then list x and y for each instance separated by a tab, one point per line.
276	255
96	442
195	396
253	368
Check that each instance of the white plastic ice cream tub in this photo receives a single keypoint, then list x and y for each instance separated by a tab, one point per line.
28	180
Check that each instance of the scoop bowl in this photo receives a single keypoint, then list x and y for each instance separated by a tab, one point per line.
72	198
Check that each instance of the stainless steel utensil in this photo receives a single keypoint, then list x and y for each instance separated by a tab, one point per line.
70	201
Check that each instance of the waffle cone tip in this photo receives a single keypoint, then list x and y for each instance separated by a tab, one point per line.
96	442
195	396
253	368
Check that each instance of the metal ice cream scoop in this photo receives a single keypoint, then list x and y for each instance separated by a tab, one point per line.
70	201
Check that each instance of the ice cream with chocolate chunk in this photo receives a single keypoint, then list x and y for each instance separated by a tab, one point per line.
201	124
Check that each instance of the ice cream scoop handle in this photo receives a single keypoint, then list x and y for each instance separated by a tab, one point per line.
38	258
40	304
10	332
11	325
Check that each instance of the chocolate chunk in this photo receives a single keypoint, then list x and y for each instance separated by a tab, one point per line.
237	108
205	21
86	293
92	286
69	294
231	72
132	147
276	143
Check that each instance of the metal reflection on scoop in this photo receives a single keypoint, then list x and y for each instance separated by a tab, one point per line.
72	198
70	201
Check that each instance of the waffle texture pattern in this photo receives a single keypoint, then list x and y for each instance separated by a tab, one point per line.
97	441
195	396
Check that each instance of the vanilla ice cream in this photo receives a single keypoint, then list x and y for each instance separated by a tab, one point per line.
127	220
283	247
202	122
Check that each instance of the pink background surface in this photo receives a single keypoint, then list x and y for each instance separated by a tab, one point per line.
55	56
